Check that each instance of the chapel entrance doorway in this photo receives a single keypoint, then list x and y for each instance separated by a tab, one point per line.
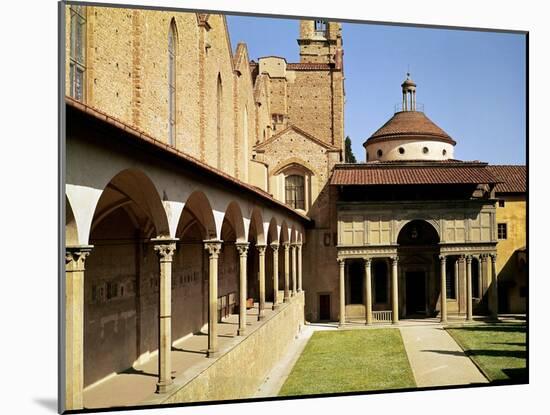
416	292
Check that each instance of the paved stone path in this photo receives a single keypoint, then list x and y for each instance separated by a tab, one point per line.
436	359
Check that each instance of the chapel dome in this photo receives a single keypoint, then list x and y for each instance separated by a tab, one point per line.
409	134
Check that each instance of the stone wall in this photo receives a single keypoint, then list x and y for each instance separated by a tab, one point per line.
239	372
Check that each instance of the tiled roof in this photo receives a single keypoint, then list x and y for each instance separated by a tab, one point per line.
308	66
412	173
513	178
409	124
186	158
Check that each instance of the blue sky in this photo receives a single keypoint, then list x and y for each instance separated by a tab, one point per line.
471	83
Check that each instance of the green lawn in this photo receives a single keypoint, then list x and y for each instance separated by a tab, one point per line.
498	350
350	360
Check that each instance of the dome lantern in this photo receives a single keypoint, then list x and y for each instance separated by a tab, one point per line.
409	94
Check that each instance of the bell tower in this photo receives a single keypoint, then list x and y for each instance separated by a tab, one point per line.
320	41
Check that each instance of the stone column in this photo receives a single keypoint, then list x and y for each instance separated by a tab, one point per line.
394	291
275	247
299	253
342	264
443	260
286	246
75	257
368	292
493	293
469	314
261	302
293	249
213	247
242	248
165	250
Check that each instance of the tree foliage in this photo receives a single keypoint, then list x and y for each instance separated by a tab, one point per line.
349	156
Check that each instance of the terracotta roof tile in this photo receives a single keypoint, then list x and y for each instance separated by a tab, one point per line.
513	178
414	124
412	174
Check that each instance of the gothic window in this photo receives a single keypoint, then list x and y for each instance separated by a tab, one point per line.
320	27
172	83
77	56
219	97
294	191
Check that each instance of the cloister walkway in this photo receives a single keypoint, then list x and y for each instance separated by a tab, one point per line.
137	385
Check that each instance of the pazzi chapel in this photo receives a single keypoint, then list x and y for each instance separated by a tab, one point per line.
210	213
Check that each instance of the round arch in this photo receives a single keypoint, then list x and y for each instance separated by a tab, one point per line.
133	185
234	216
427	225
198	209
71	227
257	226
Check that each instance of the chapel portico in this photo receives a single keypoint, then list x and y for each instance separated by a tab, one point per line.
416	228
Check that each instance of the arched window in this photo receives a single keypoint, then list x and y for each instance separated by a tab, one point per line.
219	97
172	41
294	191
77	58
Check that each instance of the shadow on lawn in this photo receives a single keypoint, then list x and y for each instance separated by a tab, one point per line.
520	354
519	328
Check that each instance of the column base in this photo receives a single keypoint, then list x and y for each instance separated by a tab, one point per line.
164	386
443	321
395	322
286	299
341	325
275	306
261	317
241	332
212	353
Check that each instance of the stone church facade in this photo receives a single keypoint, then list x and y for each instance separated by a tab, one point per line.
206	200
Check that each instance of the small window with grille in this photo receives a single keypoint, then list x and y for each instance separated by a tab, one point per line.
502	230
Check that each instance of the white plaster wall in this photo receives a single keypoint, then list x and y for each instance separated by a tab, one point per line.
413	150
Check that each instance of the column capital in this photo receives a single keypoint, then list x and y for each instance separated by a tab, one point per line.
213	246
286	245
493	257
261	248
299	245
274	246
164	247
242	247
443	258
75	256
461	257
394	259
341	261
368	261
469	259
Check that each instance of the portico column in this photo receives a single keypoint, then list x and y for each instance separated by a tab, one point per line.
165	250
443	260
342	264
469	314
275	247
286	246
293	248
75	257
261	303
299	253
394	291
368	292
242	248
493	294
213	247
